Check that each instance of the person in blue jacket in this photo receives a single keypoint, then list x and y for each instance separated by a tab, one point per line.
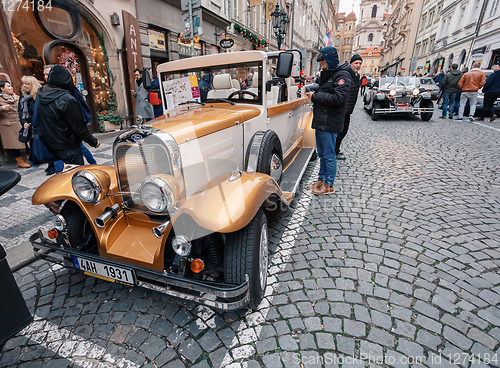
491	92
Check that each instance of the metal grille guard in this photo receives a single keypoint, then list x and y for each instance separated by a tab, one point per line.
201	292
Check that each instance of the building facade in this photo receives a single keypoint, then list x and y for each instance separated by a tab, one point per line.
424	59
400	36
486	47
372	58
371	29
344	37
456	31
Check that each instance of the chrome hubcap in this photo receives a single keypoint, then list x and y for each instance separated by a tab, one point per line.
263	257
275	167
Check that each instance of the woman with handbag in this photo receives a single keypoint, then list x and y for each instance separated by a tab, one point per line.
26	107
9	123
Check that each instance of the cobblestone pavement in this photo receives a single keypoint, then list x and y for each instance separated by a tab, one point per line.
19	217
401	263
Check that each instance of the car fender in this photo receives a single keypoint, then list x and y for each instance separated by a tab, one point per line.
229	205
59	187
381	96
426	95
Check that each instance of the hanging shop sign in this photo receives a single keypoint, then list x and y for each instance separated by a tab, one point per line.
132	47
156	40
226	43
61	21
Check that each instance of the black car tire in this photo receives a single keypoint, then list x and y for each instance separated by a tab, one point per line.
77	224
270	146
314	156
375	115
247	253
426	116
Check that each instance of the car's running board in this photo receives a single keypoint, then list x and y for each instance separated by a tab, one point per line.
293	174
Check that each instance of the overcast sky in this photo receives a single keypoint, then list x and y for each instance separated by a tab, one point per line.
345	6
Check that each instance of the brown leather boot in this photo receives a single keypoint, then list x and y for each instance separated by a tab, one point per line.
325	189
316	185
21	163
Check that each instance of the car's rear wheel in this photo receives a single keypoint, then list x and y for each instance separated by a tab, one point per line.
246	253
375	115
426	116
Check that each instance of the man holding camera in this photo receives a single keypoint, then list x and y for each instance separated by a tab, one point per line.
328	115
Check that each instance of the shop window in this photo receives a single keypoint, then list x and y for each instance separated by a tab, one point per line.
28	32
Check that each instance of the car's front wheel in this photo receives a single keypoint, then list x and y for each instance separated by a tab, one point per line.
77	225
375	115
246	253
426	116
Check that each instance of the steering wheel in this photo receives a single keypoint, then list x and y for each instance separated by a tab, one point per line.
240	94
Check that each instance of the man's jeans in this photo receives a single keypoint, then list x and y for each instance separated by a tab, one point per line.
325	145
448	103
59	165
472	97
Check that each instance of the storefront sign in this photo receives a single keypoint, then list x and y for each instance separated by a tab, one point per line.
132	47
270	7
226	43
156	40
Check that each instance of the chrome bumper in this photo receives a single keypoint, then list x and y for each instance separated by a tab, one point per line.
413	110
215	295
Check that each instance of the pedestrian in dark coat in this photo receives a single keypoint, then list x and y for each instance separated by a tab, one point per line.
142	106
328	115
438	79
449	88
355	67
491	91
59	119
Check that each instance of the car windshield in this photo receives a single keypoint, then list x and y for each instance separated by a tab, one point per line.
235	83
396	82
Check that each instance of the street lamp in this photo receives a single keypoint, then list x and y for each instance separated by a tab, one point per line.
280	24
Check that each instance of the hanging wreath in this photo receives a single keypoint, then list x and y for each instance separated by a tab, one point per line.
68	60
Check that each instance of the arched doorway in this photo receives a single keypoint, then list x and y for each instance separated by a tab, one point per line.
461	58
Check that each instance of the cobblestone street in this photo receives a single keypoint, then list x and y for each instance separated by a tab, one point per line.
399	266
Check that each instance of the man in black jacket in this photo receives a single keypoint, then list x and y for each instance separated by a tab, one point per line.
60	123
356	63
328	115
449	88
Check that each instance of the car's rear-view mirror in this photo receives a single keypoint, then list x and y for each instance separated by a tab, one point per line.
284	66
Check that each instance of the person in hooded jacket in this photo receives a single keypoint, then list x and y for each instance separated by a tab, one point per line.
59	120
449	87
355	67
328	115
491	92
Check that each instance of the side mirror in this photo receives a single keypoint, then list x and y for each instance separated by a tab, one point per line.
284	66
146	79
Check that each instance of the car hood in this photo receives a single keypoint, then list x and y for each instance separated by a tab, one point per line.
196	122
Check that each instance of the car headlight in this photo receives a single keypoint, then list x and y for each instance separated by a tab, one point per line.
157	194
393	92
416	91
86	186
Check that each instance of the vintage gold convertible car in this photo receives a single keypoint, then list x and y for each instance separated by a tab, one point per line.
183	210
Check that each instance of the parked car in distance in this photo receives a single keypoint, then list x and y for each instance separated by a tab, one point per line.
183	209
398	95
429	85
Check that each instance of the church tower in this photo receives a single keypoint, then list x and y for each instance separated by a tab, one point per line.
370	29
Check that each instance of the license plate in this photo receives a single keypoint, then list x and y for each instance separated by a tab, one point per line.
104	271
403	109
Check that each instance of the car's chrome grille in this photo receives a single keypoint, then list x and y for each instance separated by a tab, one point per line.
402	100
135	162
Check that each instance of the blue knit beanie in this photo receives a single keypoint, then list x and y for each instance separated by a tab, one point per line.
331	56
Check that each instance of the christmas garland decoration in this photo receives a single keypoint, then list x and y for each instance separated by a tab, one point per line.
252	37
111	114
68	60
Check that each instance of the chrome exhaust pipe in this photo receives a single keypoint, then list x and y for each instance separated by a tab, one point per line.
160	229
111	212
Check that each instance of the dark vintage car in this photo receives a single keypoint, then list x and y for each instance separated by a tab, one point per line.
394	95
